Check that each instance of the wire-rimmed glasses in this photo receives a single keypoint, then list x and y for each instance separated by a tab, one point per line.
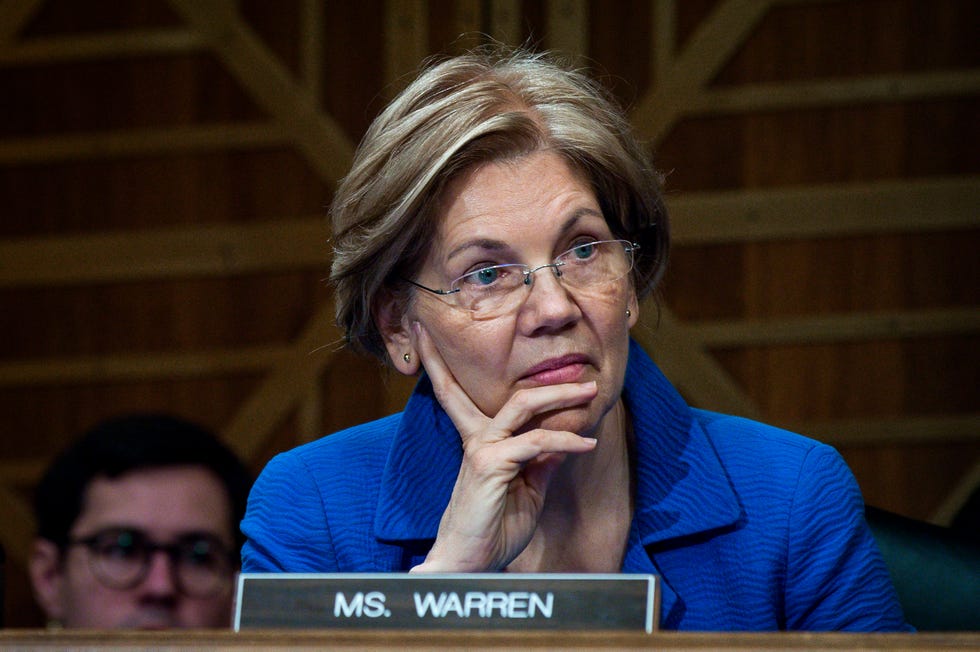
120	558
496	290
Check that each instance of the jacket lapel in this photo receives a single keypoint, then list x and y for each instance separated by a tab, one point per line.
682	488
421	470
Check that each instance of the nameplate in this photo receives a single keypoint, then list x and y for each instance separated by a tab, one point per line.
514	601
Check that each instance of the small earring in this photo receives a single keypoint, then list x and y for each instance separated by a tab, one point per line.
628	313
407	358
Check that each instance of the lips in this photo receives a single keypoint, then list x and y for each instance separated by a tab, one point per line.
561	369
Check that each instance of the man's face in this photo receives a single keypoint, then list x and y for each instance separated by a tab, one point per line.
166	505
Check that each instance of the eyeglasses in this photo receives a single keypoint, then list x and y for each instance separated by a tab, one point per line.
120	558
496	290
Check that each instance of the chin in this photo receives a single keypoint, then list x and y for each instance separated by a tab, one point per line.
580	420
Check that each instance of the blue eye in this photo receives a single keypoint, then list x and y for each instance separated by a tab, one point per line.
485	276
584	251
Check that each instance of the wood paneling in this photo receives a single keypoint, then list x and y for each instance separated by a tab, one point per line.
165	166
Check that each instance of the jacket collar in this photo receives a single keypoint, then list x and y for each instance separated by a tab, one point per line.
682	488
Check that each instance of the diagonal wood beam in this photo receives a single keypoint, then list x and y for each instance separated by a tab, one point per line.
707	50
943	515
684	360
316	136
14	14
286	386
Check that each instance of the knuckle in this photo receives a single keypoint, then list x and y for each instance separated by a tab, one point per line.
522	399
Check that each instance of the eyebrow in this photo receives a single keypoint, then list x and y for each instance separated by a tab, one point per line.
498	245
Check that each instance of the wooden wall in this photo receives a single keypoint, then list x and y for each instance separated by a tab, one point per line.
165	164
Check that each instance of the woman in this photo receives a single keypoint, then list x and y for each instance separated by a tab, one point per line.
497	231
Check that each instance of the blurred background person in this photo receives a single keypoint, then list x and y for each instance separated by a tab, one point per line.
138	527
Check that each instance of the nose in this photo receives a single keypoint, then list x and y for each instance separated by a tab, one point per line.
160	577
549	305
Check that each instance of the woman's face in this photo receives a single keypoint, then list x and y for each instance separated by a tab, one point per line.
525	211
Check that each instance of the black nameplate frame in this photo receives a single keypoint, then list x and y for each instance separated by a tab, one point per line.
549	601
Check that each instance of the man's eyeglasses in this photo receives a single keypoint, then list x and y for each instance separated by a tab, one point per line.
497	290
201	565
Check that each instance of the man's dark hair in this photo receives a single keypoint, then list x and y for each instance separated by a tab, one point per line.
130	443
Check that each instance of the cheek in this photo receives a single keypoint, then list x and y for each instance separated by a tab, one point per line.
477	353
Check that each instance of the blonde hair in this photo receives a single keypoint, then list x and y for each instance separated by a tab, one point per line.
490	104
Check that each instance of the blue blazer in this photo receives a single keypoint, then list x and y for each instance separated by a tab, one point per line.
749	527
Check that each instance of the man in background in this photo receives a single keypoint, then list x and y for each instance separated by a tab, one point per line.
138	527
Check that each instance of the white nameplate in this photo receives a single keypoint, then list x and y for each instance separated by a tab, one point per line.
550	601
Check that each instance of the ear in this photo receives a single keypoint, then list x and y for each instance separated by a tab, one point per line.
395	325
633	306
46	569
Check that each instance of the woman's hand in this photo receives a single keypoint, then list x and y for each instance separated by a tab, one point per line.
501	486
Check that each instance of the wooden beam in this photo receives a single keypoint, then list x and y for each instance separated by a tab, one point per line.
683	359
311	47
301	243
906	206
140	367
904	87
711	45
285	386
139	142
17	533
837	328
664	43
23	473
14	14
406	41
205	250
316	136
905	430
505	21
216	362
568	28
111	45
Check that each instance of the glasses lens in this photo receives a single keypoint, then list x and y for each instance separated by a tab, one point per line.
489	291
203	565
118	557
594	264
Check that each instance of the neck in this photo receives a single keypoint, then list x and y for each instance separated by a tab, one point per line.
588	508
605	470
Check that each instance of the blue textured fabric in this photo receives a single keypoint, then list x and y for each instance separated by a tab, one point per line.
748	526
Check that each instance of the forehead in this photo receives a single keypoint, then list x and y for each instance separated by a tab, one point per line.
535	193
165	502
